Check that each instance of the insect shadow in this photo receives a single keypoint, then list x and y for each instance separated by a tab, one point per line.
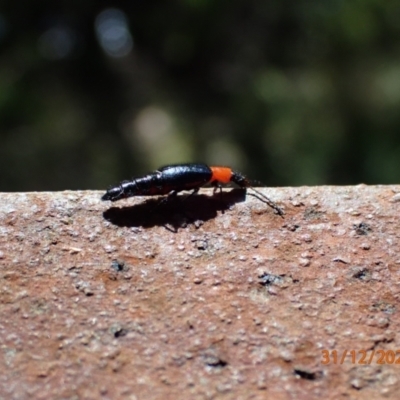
176	211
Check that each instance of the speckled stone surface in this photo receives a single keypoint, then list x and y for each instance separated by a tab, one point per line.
215	297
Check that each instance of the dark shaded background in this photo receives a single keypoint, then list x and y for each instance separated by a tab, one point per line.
288	91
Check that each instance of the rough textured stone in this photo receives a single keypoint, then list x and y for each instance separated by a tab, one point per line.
213	297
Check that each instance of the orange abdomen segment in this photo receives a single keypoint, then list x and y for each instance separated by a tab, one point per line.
221	174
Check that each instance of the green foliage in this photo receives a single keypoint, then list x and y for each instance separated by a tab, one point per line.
290	92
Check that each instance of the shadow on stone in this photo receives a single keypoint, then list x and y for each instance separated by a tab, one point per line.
176	212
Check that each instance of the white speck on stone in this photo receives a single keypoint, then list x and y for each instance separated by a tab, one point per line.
304	262
395	198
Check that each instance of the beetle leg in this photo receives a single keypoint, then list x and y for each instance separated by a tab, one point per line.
217	186
195	191
168	197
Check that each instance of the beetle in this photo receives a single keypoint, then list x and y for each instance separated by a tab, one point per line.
172	179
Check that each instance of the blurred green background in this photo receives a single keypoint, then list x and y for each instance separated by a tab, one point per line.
290	92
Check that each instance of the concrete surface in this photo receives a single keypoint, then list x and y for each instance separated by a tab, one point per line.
215	297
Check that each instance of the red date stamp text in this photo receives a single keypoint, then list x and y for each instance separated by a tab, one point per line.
361	357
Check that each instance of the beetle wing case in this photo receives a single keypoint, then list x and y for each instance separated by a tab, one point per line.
185	176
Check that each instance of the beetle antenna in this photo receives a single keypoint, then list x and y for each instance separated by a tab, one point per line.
243	182
262	197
